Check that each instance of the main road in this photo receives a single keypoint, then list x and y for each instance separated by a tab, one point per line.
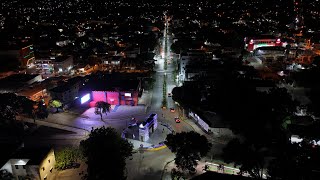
150	165
162	73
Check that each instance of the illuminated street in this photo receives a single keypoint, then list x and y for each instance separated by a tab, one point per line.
150	165
161	73
169	90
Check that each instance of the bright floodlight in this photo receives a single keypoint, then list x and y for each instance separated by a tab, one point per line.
85	98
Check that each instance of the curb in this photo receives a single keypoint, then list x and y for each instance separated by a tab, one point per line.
66	126
59	124
164	168
156	149
188	124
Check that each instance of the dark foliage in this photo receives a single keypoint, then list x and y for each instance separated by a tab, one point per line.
105	152
298	161
11	106
188	148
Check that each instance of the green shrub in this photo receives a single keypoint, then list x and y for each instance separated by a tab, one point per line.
65	158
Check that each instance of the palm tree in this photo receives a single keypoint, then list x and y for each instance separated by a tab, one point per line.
102	107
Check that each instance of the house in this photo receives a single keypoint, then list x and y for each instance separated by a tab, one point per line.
115	91
27	85
208	68
132	52
113	62
52	65
211	122
16	82
34	92
85	69
300	127
33	163
63	64
68	91
270	53
188	57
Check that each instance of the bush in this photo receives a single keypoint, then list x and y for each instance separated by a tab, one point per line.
164	93
67	158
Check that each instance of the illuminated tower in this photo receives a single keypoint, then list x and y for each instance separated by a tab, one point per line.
298	12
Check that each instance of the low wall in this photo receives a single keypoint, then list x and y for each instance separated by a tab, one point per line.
222	131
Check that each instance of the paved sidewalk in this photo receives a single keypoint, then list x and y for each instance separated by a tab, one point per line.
199	130
156	138
200	169
137	144
159	135
78	131
145	99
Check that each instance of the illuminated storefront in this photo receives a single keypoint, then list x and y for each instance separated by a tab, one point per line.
111	97
254	43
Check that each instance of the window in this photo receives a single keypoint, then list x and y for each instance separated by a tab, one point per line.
51	169
24	167
17	167
42	168
49	160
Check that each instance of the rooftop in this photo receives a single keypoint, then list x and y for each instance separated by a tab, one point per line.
61	58
111	83
66	85
36	155
19	78
6	151
15	82
31	90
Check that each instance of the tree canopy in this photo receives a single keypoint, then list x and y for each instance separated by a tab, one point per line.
56	104
189	147
258	118
314	106
250	157
106	153
102	107
297	161
12	105
5	175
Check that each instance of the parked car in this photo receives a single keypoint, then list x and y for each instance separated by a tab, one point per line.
177	120
169	94
172	110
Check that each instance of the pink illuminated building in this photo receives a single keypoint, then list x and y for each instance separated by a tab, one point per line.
121	92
